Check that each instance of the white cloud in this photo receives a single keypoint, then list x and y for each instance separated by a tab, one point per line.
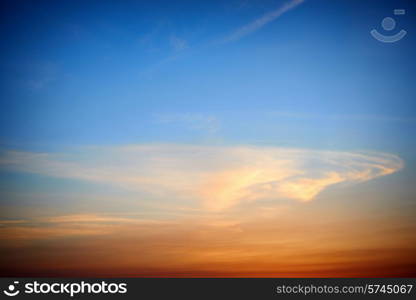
195	121
215	178
178	44
262	21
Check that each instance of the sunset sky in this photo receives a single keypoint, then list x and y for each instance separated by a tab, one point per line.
241	138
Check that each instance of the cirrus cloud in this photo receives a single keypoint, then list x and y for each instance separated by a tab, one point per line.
214	178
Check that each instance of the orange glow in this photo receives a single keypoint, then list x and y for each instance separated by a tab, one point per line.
211	246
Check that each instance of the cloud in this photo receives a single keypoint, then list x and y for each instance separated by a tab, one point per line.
299	244
178	44
342	117
213	178
195	121
262	21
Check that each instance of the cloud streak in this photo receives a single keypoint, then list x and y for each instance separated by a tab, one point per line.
195	121
177	43
262	21
212	178
297	245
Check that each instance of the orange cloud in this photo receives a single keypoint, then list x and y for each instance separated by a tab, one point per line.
215	178
290	246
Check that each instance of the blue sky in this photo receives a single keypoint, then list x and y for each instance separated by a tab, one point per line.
294	74
104	72
297	74
255	129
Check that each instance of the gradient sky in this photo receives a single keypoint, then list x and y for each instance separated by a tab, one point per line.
207	138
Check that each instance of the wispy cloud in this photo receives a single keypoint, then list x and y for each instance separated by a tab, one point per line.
214	178
177	43
295	244
196	121
262	21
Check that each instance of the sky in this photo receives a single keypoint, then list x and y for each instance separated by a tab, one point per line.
242	138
